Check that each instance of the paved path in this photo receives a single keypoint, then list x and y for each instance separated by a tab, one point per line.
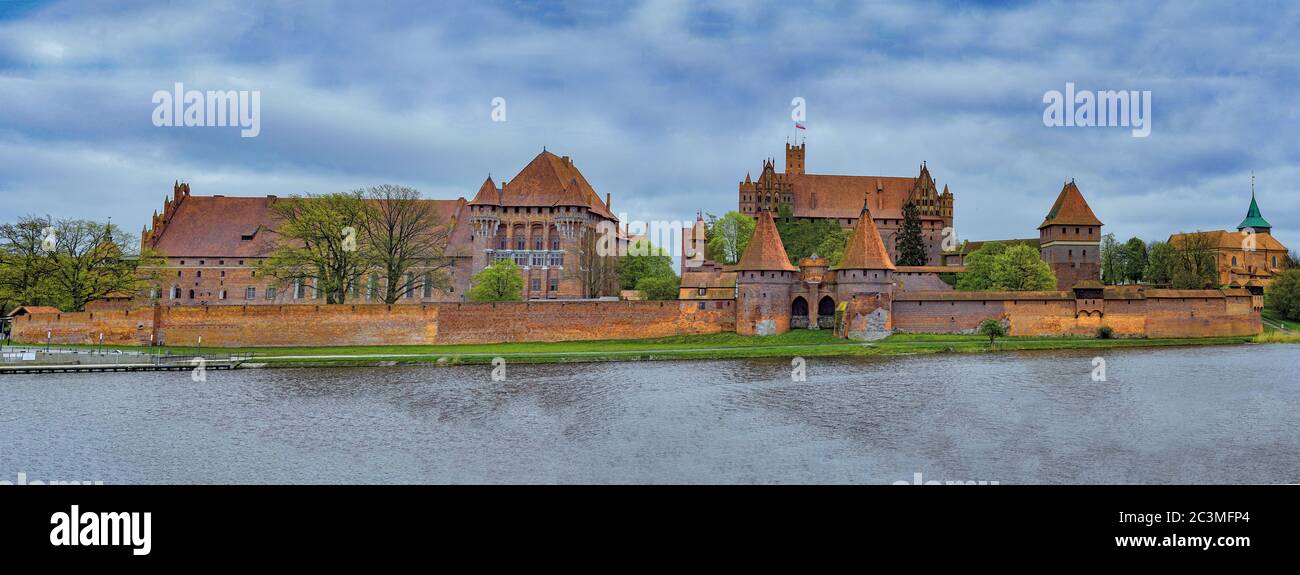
622	352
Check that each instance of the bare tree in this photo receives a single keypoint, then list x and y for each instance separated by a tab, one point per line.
597	264
319	244
403	235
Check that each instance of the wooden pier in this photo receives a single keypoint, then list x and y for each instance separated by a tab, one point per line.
143	363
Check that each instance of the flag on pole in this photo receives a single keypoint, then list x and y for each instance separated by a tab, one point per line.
799	126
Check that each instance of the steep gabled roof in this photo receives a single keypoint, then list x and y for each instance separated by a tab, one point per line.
544	182
1070	209
865	250
488	194
1253	218
765	251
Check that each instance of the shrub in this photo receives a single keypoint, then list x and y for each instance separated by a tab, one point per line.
1105	332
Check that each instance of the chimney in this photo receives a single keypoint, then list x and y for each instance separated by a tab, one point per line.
607	206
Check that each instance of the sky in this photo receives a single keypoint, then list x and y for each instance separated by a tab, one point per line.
666	105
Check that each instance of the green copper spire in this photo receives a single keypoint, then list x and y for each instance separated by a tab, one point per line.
1253	218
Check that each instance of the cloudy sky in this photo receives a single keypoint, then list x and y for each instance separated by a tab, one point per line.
666	105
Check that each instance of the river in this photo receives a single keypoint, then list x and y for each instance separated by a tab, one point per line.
1222	414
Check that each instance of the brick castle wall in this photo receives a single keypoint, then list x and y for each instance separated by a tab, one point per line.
325	325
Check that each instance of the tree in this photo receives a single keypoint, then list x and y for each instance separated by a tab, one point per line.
498	282
662	287
1020	268
596	267
1194	266
993	329
832	246
980	266
643	260
1135	260
1113	264
91	260
911	245
321	244
402	233
803	237
1283	296
728	236
1290	261
997	267
1160	261
25	266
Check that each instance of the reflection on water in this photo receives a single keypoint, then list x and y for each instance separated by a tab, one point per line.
1184	415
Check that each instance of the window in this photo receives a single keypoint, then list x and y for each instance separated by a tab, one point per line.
555	243
297	289
221	294
519	242
428	284
703	291
198	274
372	288
555	283
410	285
270	293
250	293
1234	260
537	243
191	294
537	284
176	292
701	305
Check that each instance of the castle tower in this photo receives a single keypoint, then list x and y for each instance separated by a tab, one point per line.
1069	239
764	281
1254	220
693	245
864	282
794	159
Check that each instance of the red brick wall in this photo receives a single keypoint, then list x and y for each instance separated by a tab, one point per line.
310	325
120	327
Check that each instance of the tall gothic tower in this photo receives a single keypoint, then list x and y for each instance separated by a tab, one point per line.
1069	239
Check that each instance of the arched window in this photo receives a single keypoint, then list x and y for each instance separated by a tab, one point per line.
1234	261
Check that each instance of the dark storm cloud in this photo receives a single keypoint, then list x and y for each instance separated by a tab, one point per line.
664	104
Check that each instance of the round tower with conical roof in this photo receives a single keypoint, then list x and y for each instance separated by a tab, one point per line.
764	281
864	282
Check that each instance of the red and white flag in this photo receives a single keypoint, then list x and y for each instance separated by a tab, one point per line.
799	126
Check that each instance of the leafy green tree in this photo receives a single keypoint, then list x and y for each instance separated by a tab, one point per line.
660	288
728	236
1113	264
980	266
498	282
992	329
1135	260
832	246
911	245
91	260
24	264
997	267
1291	261
643	260
321	244
803	237
1020	268
1160	261
1283	295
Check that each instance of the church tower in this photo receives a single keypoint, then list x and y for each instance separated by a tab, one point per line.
1069	239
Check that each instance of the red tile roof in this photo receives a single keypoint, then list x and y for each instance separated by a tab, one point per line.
1070	209
765	251
237	227
827	196
865	250
548	180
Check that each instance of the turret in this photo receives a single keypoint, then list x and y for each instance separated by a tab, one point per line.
764	280
1069	239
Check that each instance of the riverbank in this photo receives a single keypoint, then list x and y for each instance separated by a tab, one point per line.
800	343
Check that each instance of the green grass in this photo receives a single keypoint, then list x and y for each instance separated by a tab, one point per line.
1272	317
802	343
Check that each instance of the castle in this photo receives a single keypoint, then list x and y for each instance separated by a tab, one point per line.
212	245
539	220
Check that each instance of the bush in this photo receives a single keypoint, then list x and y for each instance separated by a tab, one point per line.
1283	295
993	329
1105	332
